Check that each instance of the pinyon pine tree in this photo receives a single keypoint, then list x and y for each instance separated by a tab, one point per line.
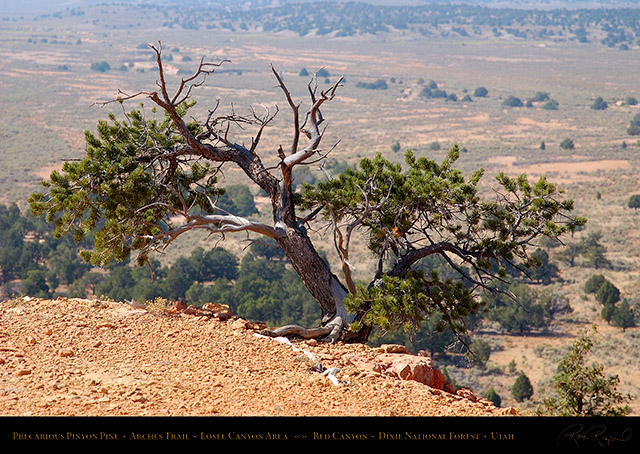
145	181
581	389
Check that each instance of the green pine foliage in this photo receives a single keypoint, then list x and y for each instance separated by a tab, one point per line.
35	284
17	256
436	203
266	289
125	187
237	199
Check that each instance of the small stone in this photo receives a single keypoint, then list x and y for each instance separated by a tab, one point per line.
220	311
31	340
240	324
66	352
393	348
107	325
22	372
467	394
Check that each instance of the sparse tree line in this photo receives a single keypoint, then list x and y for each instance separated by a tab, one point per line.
620	25
432	90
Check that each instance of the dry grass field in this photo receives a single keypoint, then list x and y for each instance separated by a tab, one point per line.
49	94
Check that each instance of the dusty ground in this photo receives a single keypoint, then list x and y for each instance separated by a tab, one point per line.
95	358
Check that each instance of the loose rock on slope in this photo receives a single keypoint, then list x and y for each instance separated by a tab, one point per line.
96	358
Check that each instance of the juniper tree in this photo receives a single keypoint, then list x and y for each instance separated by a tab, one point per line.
146	181
522	388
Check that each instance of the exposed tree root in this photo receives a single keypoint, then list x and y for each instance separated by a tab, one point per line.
331	332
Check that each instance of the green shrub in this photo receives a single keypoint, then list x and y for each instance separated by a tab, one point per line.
567	144
379	84
101	67
522	389
599	104
492	396
634	126
608	293
634	201
480	92
594	283
512	101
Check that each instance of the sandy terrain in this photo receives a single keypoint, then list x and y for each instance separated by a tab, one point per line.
94	358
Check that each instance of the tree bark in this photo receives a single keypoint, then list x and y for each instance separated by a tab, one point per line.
315	273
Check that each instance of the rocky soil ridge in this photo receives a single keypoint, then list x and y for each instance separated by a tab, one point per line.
76	357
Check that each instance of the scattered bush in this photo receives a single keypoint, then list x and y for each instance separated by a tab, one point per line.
101	67
567	144
634	201
540	97
599	104
481	352
379	84
594	283
480	92
512	101
634	126
624	316
608	293
428	93
35	284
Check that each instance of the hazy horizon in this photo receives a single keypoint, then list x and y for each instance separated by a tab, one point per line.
13	8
